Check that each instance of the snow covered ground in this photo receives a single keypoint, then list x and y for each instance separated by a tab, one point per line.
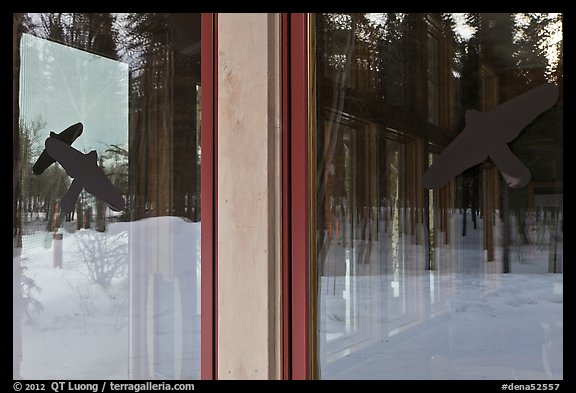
500	327
390	318
81	330
465	320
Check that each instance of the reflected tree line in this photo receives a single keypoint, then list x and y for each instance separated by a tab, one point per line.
415	71
159	170
409	78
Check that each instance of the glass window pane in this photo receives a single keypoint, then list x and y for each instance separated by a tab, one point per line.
107	196
461	281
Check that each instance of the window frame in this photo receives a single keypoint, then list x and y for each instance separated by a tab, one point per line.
297	336
208	190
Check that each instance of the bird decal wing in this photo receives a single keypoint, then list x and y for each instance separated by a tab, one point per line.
68	136
86	173
488	134
84	169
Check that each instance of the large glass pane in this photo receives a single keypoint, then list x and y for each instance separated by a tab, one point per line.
106	212
459	281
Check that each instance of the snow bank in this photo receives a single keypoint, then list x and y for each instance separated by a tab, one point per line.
81	330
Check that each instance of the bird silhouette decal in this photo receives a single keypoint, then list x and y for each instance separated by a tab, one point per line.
69	135
487	134
83	168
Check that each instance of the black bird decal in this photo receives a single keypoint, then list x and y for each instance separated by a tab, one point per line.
67	136
83	168
488	134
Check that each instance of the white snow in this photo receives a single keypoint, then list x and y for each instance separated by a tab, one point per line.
464	320
82	331
486	327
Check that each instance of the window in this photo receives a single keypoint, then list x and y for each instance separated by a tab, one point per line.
101	290
463	281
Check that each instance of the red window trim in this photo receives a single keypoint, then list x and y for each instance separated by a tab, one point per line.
286	227
208	187
296	227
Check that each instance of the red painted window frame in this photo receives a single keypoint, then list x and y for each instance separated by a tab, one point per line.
208	191
286	227
296	198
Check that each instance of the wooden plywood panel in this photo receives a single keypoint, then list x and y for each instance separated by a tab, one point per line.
248	196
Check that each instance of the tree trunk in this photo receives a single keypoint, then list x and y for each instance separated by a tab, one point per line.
506	229
79	214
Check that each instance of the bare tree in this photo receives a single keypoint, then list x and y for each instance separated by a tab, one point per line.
104	254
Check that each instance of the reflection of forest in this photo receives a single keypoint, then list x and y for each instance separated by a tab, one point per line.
159	169
392	90
391	256
158	172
